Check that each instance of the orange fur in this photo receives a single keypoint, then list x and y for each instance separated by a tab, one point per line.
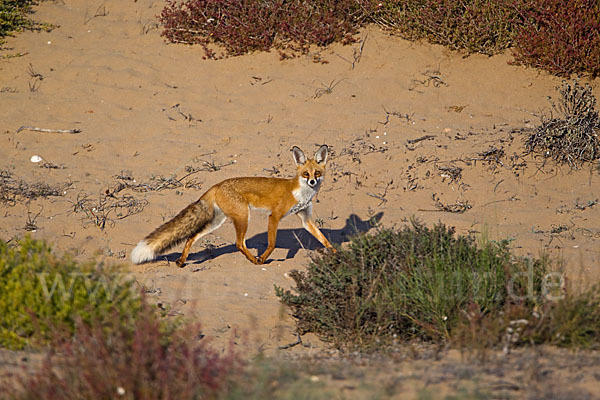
233	198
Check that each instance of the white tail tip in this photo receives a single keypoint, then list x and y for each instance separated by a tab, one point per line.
142	253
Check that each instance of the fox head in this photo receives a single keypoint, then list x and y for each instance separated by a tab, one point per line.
311	171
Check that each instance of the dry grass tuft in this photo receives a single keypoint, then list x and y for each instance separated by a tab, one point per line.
571	137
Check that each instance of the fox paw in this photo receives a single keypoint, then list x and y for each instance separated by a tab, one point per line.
260	260
254	260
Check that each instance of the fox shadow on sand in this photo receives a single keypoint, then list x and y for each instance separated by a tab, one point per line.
290	239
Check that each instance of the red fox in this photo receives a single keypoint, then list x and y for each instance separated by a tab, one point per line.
233	198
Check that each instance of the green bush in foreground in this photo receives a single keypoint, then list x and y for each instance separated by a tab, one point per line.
40	292
130	361
572	321
431	284
404	284
148	363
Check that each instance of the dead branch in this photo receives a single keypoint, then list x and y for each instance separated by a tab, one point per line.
36	129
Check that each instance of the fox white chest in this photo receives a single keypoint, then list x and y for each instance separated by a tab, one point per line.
303	195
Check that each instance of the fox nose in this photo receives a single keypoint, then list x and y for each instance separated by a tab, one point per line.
312	182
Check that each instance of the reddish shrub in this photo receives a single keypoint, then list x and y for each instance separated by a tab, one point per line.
242	26
560	36
147	360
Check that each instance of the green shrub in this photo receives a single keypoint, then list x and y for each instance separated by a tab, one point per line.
573	321
412	283
478	26
13	16
40	292
431	284
560	36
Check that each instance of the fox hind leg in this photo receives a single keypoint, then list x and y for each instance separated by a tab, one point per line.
240	222
272	234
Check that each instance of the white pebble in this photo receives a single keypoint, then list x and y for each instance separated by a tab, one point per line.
36	159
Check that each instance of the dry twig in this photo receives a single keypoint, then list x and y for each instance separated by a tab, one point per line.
12	189
458	208
36	129
99	213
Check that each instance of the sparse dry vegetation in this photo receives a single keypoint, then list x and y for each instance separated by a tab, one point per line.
14	189
569	135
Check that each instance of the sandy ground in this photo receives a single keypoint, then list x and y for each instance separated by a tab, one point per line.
159	125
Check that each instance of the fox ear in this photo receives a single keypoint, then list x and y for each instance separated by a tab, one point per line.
321	154
299	157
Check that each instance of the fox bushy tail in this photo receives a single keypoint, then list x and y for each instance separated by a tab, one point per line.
184	225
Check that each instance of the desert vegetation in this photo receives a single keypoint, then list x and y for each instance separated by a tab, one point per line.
143	359
569	134
430	284
556	35
413	286
409	291
103	339
100	338
15	17
42	293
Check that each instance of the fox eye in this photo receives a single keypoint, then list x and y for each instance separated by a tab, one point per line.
317	174
305	174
